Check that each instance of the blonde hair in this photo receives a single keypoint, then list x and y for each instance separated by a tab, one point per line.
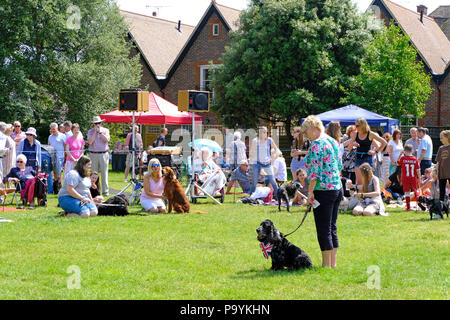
361	122
367	175
446	135
312	122
300	139
149	168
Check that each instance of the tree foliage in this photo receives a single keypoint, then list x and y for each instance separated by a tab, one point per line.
289	59
62	59
393	82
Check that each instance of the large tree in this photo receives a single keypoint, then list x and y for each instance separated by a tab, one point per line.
289	59
392	81
62	59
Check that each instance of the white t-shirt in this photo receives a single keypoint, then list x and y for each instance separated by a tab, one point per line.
396	149
279	165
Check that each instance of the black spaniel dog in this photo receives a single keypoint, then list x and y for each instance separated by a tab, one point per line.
283	254
287	193
114	206
434	206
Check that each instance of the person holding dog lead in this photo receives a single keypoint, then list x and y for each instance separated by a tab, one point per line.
323	167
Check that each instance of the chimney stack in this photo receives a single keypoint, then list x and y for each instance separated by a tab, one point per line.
422	10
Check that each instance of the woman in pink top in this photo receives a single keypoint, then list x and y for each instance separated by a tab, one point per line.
152	199
74	148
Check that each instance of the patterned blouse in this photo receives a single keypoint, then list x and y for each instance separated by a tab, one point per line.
323	163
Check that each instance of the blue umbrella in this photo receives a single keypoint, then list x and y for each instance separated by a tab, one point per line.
212	145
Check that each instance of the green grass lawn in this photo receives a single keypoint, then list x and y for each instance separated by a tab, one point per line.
216	255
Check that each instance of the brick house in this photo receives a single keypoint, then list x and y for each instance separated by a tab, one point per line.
433	49
176	56
442	17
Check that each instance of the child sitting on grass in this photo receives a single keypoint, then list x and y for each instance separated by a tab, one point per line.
410	173
301	177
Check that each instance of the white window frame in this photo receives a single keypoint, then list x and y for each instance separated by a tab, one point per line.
203	81
214	26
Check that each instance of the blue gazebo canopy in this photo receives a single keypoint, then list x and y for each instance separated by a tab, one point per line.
348	114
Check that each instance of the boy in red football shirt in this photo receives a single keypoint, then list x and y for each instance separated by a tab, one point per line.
410	173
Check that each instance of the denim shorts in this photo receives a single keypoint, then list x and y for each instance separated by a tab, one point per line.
72	205
360	159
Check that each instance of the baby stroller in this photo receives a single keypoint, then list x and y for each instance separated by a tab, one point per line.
34	188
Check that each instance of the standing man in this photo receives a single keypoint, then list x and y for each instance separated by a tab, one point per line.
237	153
57	141
67	129
98	138
425	150
129	145
414	141
18	135
161	140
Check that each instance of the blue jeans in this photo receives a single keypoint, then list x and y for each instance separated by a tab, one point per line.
256	170
424	164
72	205
360	159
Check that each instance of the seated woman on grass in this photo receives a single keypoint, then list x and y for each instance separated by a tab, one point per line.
75	197
152	199
369	194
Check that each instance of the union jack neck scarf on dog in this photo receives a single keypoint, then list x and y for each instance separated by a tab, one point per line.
266	249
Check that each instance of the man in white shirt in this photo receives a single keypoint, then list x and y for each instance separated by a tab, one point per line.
425	150
414	140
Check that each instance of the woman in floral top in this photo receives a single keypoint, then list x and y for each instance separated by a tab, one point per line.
323	167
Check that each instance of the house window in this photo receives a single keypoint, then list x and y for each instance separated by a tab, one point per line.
206	78
215	29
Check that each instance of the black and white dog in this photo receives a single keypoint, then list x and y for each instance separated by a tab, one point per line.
434	206
283	254
287	193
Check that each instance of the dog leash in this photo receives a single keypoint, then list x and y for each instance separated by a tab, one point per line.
308	209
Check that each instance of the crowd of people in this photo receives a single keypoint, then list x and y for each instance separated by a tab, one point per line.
360	171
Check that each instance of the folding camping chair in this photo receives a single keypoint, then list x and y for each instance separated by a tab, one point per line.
14	188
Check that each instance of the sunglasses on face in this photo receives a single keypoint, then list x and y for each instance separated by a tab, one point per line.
19	161
155	165
16	126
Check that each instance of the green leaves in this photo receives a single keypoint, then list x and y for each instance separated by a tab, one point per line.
62	59
289	59
392	82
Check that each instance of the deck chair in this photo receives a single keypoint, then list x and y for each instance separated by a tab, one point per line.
14	188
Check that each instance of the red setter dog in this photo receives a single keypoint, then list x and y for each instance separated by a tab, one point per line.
174	192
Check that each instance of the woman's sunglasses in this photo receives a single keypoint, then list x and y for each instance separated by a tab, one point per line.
19	161
155	165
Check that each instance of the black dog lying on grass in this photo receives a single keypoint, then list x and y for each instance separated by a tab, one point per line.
435	206
284	254
287	193
114	206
